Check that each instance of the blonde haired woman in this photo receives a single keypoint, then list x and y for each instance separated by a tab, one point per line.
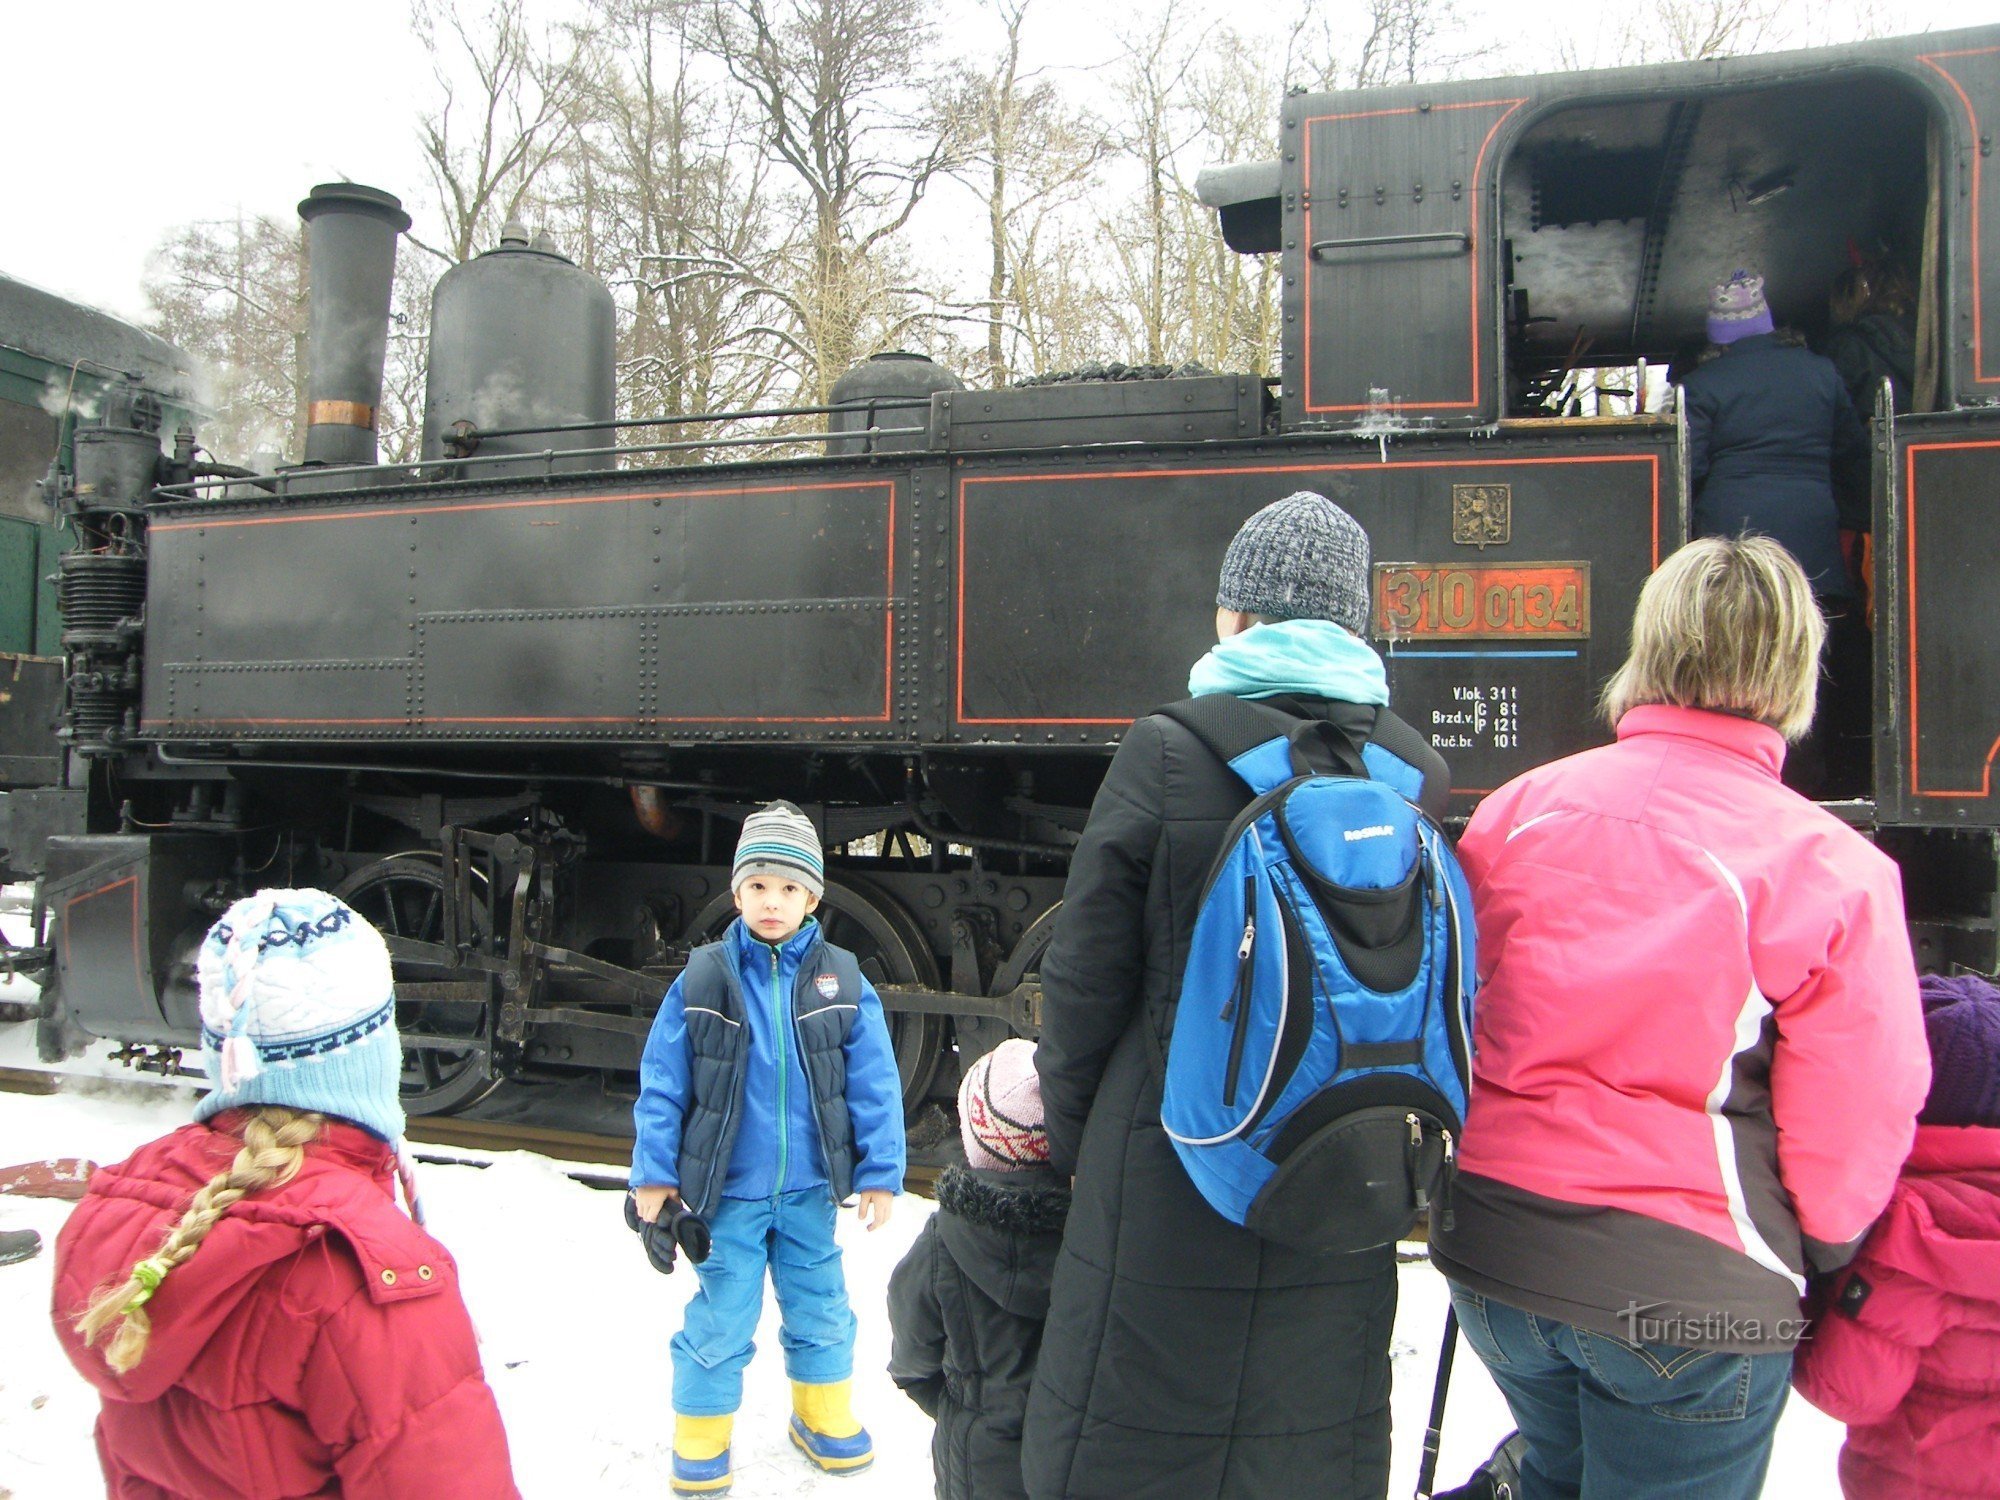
258	1315
1699	1052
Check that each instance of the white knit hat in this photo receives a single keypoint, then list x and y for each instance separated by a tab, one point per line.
298	1008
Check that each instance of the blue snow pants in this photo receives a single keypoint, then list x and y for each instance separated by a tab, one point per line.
792	1234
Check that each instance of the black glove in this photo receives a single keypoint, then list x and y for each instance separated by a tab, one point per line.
674	1226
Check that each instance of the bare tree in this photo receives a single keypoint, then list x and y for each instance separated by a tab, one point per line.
1231	299
233	293
1028	154
400	419
673	210
850	104
1383	42
1692	29
1155	128
505	110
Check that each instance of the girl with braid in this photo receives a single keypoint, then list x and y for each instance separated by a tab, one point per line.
258	1315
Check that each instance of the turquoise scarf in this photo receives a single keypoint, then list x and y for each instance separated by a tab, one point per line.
1311	658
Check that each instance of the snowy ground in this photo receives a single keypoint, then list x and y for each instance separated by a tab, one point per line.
574	1326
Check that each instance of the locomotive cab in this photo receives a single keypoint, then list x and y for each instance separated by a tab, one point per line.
1617	216
1524	258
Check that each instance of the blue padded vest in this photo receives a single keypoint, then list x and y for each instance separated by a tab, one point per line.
718	1038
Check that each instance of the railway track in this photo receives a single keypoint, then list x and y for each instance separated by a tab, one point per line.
588	1158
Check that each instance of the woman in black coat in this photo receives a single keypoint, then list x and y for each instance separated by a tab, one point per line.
1775	448
1774	443
1186	1358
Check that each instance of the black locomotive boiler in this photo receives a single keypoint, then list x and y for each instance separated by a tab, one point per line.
513	700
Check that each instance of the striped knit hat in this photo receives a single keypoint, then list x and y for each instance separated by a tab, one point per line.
298	1008
1000	1110
780	841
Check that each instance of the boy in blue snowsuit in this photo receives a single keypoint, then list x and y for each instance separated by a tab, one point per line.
768	1093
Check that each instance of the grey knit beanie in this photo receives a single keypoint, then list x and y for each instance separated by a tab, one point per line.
1299	558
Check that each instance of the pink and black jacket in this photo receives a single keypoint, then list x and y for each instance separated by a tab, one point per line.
1699	1053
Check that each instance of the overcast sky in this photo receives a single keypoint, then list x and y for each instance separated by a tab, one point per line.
130	117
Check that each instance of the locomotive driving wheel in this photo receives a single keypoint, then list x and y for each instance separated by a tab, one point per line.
889	946
452	1065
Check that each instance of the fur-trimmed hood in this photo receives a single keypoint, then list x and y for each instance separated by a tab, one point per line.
1003	1230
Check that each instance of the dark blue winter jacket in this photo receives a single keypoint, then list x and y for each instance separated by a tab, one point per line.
768	1069
1771	429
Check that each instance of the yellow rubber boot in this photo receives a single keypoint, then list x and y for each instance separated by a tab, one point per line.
824	1429
701	1454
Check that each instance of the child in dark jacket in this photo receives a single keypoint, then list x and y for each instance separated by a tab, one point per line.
967	1304
258	1316
1906	1349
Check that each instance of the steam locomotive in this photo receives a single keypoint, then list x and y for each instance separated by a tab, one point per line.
513	700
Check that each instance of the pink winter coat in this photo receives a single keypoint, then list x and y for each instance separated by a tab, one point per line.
1913	1367
1699	1013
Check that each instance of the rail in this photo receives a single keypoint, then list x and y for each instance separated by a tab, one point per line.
315	479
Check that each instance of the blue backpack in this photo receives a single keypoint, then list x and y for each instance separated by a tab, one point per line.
1317	1070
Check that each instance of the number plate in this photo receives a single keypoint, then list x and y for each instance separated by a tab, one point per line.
1483	602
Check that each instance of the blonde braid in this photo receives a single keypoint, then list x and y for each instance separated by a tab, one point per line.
274	1148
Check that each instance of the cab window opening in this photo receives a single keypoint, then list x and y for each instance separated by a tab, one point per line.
1618	217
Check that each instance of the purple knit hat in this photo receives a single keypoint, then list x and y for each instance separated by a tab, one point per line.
1962	1022
1000	1110
1738	309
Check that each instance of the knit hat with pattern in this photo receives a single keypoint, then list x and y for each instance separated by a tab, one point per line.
1299	558
1962	1022
1738	309
1000	1110
780	841
298	1008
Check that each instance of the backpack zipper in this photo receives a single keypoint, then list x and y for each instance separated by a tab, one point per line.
1236	1009
1413	1160
1450	1178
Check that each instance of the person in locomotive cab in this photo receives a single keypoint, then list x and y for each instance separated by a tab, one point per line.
768	1093
257	1315
1775	448
1186	1357
1872	335
1698	1053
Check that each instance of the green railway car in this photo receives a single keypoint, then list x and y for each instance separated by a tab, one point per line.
56	358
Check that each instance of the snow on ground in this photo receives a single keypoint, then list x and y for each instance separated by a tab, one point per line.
574	1327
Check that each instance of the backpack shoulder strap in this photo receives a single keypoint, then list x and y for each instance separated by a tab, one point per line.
1428	779
1224	723
1265	749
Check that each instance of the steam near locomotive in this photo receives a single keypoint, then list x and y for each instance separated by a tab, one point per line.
513	700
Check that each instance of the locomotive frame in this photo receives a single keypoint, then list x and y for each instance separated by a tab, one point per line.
514	703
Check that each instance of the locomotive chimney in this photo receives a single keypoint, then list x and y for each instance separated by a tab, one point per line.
351	250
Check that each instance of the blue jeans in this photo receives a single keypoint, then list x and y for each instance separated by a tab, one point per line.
792	1235
1613	1420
